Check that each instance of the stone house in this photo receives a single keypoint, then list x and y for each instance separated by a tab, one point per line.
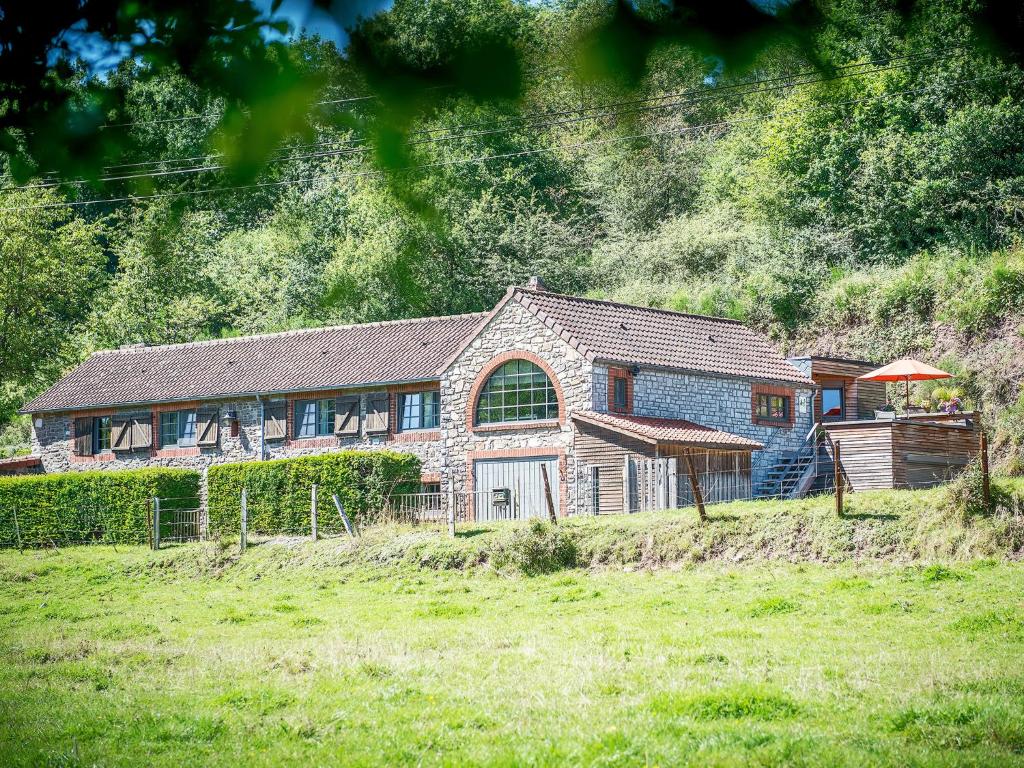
610	400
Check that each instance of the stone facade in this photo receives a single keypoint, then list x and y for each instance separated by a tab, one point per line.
513	332
449	452
721	402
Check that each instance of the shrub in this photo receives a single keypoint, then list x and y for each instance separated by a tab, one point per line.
79	507
536	549
278	491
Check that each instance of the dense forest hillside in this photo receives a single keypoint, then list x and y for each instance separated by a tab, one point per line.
862	195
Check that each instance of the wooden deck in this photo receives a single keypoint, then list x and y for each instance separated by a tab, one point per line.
916	451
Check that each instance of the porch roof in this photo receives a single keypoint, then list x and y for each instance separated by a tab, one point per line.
673	431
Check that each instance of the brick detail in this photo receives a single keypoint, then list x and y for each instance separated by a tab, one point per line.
412	436
171	452
620	373
772	389
485	373
519	453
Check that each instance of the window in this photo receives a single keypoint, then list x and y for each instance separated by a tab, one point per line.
620	401
419	410
314	417
773	407
100	434
517	391
178	429
595	489
832	403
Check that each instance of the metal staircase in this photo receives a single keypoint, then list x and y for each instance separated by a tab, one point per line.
793	473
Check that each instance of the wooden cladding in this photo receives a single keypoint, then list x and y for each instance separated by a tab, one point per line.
905	453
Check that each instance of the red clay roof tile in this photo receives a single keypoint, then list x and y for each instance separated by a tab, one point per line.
624	333
668	431
293	361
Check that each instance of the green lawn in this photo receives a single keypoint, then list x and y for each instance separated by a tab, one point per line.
130	657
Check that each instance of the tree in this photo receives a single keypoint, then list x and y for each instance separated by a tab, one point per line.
51	264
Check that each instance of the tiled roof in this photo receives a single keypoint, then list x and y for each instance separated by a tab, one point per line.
606	330
667	430
293	361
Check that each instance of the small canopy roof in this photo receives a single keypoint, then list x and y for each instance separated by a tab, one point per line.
905	370
677	431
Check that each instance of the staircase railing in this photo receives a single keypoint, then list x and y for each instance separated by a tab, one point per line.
795	476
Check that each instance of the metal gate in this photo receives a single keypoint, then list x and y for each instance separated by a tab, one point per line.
513	489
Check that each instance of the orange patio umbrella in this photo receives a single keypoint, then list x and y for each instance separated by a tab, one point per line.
906	370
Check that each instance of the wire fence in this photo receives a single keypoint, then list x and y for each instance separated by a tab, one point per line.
637	484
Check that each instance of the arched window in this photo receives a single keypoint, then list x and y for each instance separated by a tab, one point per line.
518	391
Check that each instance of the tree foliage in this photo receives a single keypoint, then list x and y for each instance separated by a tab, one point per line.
846	181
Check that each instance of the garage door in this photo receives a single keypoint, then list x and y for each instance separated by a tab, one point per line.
525	485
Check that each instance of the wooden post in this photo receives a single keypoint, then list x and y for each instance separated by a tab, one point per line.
156	522
838	468
312	511
451	512
986	490
344	518
547	494
17	528
245	521
698	498
149	522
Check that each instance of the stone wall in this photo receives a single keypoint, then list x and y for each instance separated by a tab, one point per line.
513	332
719	402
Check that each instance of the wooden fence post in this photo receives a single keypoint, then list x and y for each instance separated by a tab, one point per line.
547	495
312	511
698	498
245	521
17	528
156	522
986	490
451	512
838	468
344	518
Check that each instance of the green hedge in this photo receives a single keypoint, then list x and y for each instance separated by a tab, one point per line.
80	507
278	491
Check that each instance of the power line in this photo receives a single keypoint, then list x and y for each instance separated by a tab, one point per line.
924	56
488	158
524	122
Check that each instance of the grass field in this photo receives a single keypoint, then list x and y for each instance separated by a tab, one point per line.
285	656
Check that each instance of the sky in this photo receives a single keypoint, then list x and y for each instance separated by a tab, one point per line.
305	16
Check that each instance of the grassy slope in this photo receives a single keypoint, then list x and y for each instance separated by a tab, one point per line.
324	654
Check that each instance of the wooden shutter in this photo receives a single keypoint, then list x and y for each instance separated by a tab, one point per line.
275	421
120	433
346	415
377	413
207	426
83	437
142	431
